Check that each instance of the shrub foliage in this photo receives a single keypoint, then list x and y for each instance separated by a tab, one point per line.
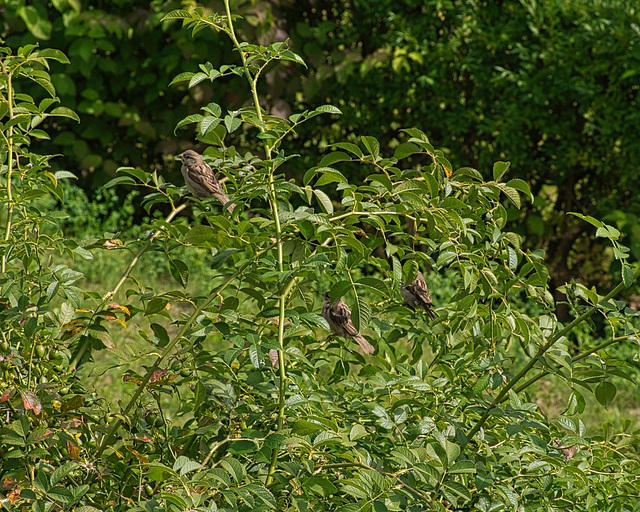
268	411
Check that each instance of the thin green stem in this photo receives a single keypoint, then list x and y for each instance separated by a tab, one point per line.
273	199
115	424
247	73
7	228
574	359
125	275
544	348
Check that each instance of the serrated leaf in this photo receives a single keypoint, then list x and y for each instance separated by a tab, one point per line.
513	195
397	272
179	271
234	468
192	118
62	471
182	77
588	218
522	186
499	168
361	313
324	200
197	78
329	175
328	109
120	180
372	145
180	14
64	112
627	276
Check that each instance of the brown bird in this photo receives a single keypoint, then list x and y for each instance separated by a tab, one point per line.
200	179
417	295
338	316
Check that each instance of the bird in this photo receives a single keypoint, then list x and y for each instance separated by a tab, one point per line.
338	316
417	295
200	179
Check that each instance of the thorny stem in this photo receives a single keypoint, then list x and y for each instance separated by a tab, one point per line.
544	348
273	199
169	348
109	295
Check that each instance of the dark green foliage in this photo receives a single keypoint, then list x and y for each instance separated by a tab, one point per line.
267	412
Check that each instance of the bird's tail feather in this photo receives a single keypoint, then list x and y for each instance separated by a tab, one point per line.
364	344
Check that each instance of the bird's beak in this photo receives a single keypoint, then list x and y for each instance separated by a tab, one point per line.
180	156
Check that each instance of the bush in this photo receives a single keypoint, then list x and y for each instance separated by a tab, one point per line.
271	413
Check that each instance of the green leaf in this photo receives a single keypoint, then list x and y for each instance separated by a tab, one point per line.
61	175
305	427
36	21
627	275
178	14
182	77
332	158
220	258
329	175
522	186
234	468
180	271
324	200
193	118
120	180
404	150
348	146
64	112
232	123
499	168
197	78
588	218
62	471
512	194
372	145
605	393
200	234
329	109
52	53
155	305
361	312
383	179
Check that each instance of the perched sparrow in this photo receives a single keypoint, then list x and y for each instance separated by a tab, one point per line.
417	296
338	316
200	179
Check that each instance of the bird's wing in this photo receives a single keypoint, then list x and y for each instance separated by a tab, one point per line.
341	315
203	176
419	289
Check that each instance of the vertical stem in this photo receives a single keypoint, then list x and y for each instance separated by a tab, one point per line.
273	199
7	230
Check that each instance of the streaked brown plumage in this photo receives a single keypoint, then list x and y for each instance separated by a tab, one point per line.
417	295
338	316
200	179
